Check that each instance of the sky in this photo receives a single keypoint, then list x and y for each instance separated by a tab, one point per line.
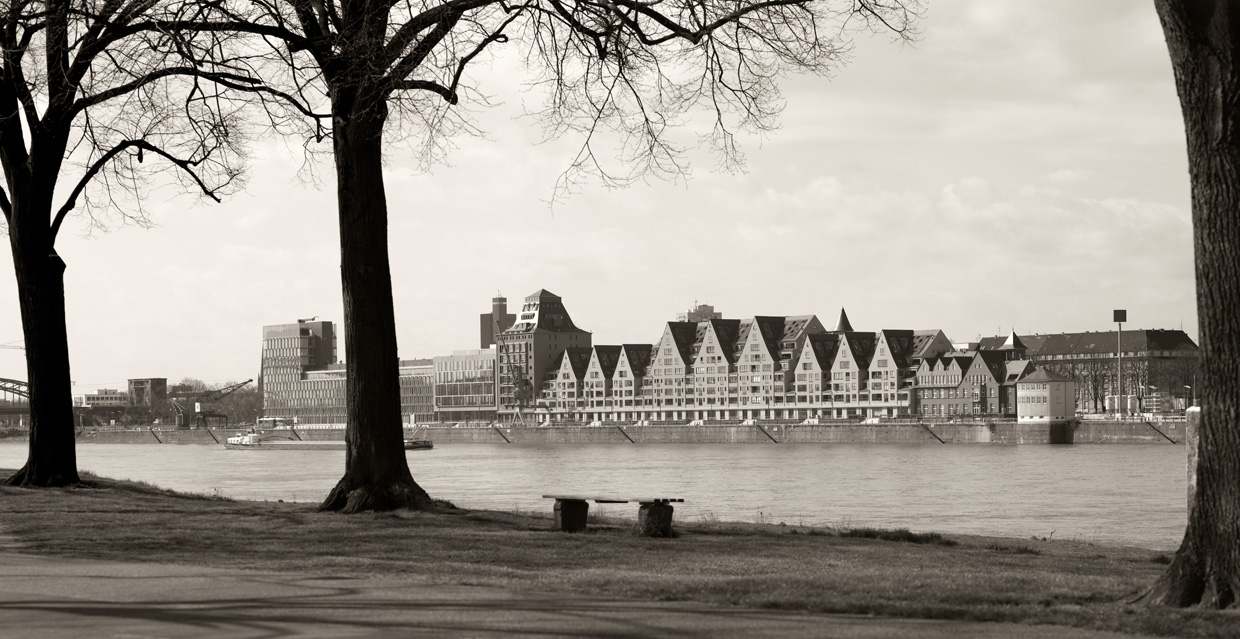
1021	165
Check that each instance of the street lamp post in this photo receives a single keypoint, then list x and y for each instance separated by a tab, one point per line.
1120	316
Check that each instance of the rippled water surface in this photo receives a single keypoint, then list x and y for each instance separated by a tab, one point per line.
1114	494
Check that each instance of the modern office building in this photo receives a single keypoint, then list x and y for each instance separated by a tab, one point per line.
465	386
303	381
1157	363
531	346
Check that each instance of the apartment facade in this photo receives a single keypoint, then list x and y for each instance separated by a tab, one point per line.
764	367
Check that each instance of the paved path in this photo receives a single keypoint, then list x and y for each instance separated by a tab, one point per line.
53	597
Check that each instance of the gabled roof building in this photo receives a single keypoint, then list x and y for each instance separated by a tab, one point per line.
1163	362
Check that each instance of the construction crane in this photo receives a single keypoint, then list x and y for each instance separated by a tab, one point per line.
202	417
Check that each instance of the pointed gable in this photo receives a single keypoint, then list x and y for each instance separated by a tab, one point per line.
638	357
899	345
995	362
683	335
607	357
726	332
770	329
823	347
862	346
579	360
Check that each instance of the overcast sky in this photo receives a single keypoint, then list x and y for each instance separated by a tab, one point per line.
1021	165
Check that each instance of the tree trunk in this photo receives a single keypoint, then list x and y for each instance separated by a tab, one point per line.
52	460
1204	42
376	474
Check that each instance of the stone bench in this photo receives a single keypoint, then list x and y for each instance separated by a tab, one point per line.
654	516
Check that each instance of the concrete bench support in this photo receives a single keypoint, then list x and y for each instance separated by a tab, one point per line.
654	520
570	515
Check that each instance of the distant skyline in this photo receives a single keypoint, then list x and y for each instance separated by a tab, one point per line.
1021	166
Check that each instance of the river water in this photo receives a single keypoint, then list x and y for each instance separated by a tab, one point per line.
1112	494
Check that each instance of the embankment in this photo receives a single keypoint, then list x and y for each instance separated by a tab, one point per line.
1087	432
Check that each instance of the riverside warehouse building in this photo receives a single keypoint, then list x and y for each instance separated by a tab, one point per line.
537	366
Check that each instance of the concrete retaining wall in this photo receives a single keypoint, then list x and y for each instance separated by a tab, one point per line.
950	433
1129	432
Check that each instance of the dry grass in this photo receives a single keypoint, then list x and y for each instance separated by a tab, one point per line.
774	567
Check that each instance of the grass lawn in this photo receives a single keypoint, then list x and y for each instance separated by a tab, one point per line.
867	571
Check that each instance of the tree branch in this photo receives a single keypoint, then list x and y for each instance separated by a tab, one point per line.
123	89
142	145
408	31
449	93
5	206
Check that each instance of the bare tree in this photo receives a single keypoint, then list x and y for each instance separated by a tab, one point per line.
1203	37
631	67
89	89
1094	375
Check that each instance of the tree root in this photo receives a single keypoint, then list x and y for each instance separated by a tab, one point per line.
26	479
350	497
1187	584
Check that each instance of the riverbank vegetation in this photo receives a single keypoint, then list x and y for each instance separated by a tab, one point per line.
778	567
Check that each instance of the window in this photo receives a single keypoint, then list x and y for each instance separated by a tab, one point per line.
844	365
753	347
882	363
807	366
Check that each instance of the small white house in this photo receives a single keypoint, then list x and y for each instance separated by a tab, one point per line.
1045	396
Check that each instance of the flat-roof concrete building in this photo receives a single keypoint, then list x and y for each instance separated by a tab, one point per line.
302	380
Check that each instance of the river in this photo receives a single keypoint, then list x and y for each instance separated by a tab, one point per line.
1114	494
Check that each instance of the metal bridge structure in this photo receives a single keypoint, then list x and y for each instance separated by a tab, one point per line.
14	397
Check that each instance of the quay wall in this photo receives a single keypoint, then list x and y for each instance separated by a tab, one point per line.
1086	432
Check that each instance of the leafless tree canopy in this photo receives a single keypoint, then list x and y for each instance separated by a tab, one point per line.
91	89
631	68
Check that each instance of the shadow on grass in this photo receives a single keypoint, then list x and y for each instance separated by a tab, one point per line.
898	534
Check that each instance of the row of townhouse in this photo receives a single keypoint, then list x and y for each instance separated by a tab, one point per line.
765	367
972	382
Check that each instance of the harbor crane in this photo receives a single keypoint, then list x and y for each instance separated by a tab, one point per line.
201	416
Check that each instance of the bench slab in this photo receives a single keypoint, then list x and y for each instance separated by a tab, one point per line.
615	500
